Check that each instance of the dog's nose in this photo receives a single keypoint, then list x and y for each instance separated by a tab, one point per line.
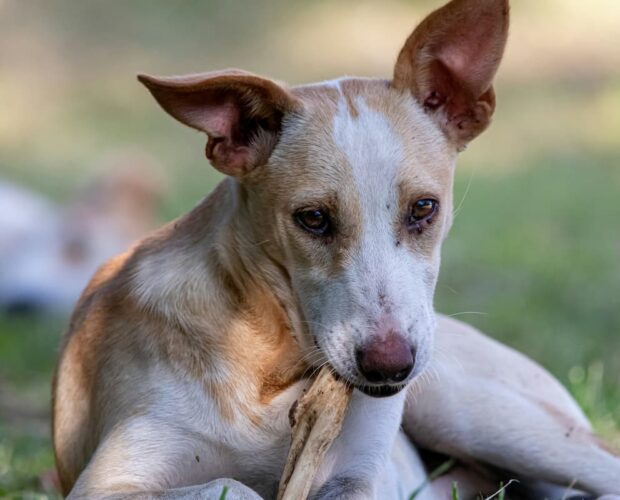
386	359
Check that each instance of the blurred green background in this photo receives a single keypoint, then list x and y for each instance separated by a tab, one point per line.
534	255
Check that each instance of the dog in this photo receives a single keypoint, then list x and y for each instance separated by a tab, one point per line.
321	246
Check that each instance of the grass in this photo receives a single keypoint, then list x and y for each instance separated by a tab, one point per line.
224	493
533	256
438	472
444	468
27	355
540	263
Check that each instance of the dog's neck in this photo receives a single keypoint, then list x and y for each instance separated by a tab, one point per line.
208	276
249	260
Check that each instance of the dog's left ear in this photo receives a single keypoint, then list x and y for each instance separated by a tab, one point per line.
240	112
449	62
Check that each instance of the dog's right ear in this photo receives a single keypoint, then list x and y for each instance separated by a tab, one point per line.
449	61
240	112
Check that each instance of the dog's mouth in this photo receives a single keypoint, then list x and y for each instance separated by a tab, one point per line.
375	391
380	391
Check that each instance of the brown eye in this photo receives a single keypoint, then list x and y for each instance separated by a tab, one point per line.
315	221
421	214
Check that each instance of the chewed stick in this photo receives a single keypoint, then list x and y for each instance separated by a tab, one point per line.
316	422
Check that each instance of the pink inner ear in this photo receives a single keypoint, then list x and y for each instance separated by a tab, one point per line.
228	157
240	112
455	58
473	49
449	62
468	65
224	147
220	120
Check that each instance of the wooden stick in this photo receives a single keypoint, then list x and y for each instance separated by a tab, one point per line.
316	422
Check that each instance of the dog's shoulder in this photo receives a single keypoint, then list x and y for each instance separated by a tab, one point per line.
107	313
117	285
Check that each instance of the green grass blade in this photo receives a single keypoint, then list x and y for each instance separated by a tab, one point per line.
439	471
455	490
224	493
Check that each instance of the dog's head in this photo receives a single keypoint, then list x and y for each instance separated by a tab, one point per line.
347	184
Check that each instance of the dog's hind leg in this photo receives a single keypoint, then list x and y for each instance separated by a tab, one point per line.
482	401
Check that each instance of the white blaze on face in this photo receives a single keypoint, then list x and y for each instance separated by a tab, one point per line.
385	279
373	150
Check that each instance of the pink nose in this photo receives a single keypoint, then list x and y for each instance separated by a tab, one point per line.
386	359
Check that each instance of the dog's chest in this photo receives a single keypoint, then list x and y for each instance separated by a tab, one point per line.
247	440
259	442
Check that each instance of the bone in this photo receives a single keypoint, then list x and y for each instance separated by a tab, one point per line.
316	421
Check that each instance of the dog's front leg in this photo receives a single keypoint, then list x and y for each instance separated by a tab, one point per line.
219	488
148	458
358	460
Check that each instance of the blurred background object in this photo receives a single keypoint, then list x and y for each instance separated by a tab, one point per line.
48	252
534	254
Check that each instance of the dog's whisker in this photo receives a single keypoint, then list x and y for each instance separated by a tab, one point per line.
449	288
456	211
252	244
468	312
448	357
309	360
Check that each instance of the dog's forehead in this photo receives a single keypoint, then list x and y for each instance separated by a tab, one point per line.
366	132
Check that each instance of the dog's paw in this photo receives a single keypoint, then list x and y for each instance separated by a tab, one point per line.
344	488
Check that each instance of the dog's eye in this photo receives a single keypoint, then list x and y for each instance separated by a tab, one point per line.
421	214
315	221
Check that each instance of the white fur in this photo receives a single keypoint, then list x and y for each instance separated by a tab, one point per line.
368	459
379	267
165	280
